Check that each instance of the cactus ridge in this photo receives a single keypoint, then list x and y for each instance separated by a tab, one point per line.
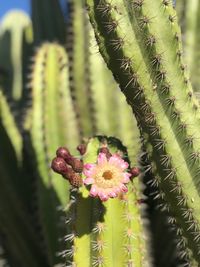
161	87
111	233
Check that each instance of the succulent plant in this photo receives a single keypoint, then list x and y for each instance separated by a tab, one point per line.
104	214
152	76
56	91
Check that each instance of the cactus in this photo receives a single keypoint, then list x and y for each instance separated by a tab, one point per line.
190	24
152	76
75	96
44	27
13	36
106	233
52	123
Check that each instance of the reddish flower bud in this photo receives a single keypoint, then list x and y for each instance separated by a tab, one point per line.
75	180
82	148
77	165
63	152
106	151
135	171
59	165
140	201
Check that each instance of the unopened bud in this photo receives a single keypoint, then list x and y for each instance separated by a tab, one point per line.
106	151
74	178
63	152
82	148
59	165
77	165
135	171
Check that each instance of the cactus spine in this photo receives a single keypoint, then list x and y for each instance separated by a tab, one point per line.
151	75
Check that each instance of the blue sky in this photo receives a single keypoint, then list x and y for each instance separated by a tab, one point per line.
6	5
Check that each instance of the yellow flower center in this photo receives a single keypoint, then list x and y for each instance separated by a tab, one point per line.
107	175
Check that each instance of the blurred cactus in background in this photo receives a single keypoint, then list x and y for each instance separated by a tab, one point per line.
58	90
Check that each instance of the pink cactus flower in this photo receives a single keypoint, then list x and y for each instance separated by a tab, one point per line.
107	177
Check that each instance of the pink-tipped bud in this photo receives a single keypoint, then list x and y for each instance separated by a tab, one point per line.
135	171
106	151
63	152
59	165
82	148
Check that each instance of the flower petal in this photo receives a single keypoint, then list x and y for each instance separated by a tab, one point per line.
126	177
101	159
93	191
88	181
87	173
124	188
118	162
112	194
103	196
89	166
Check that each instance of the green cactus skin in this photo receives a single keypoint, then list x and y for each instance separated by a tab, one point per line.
52	123
109	233
16	223
20	34
152	76
190	28
109	103
78	51
44	27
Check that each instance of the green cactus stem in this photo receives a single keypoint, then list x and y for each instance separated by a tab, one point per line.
52	123
44	27
191	40
106	233
19	32
147	63
79	70
109	103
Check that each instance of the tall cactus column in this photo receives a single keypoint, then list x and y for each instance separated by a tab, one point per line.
146	61
51	122
104	220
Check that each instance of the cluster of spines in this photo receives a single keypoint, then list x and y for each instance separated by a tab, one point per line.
162	94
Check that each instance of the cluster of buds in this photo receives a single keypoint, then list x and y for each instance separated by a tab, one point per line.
68	166
106	178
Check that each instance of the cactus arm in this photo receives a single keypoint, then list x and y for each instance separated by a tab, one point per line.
16	32
44	27
110	103
191	41
16	223
111	233
78	50
48	131
10	125
101	80
156	85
